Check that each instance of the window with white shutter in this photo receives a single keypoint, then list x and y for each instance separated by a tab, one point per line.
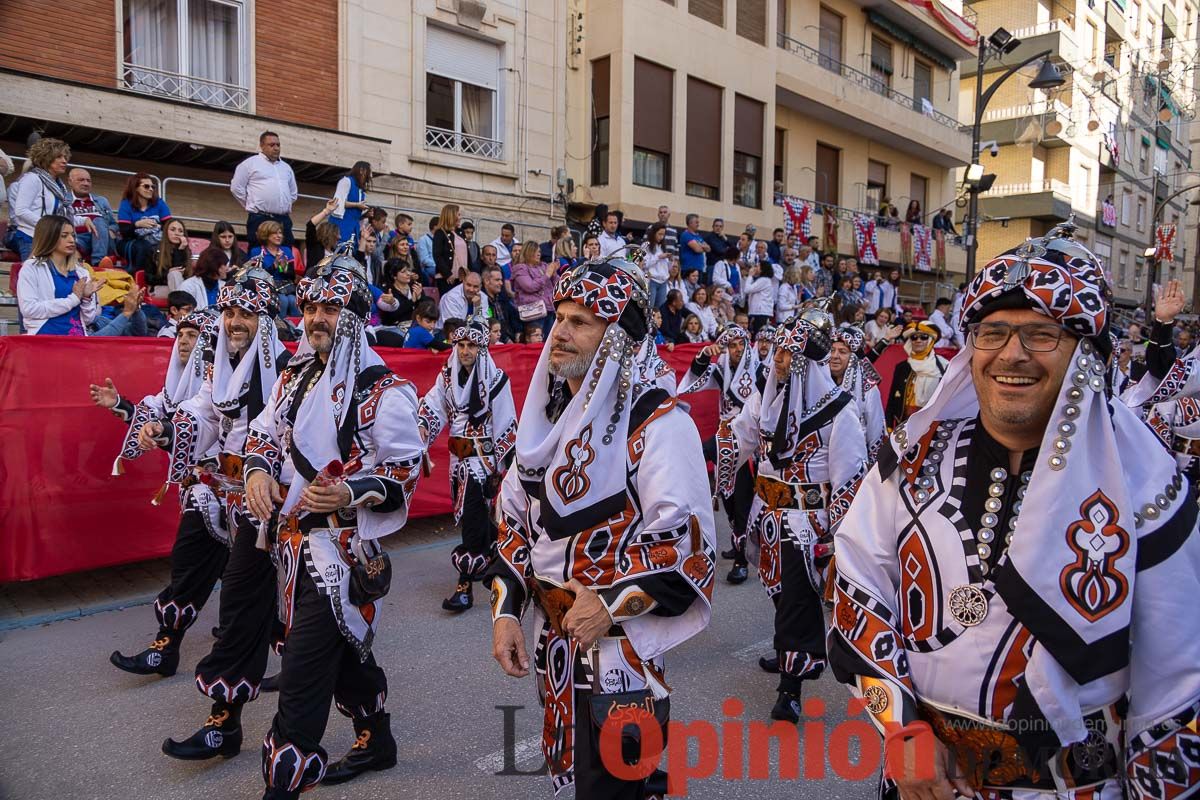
462	94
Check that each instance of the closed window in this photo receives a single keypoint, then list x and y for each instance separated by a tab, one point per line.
193	50
828	174
919	191
830	33
922	87
877	177
703	140
1123	269
1126	204
600	116
462	80
881	64
653	111
780	159
747	152
752	20
709	10
1141	214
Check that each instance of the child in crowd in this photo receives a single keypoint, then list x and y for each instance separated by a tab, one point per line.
532	333
423	334
179	305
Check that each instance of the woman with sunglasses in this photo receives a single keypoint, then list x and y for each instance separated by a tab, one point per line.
140	218
916	378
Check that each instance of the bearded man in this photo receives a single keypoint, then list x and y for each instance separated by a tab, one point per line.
606	524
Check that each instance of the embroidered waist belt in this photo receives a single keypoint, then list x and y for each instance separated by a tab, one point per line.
555	602
1008	757
784	495
467	446
1184	446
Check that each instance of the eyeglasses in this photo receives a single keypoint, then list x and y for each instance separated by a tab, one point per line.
145	185
1036	337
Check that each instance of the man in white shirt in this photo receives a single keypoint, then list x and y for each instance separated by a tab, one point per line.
940	318
505	243
610	240
464	301
265	186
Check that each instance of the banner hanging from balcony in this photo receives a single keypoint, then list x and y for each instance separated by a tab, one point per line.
1164	239
922	248
1108	213
939	250
829	232
865	240
961	28
797	216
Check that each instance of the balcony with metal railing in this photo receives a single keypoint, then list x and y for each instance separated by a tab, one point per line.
464	143
163	83
1048	199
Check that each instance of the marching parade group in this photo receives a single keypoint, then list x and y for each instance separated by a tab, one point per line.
1007	548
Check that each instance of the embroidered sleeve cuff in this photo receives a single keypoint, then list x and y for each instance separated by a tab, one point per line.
123	409
369	490
627	602
257	464
508	599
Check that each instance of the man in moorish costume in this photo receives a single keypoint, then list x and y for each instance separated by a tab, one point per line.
804	434
916	378
606	524
764	343
248	357
1009	593
729	365
202	540
340	432
474	397
857	376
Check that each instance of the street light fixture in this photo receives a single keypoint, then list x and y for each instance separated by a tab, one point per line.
1000	43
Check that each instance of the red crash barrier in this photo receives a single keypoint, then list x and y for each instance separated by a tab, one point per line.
60	508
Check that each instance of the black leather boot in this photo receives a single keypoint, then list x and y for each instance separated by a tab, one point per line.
769	664
738	574
160	658
730	554
269	683
221	735
460	601
375	749
787	707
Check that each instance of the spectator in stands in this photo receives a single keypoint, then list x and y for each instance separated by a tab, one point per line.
674	282
425	253
718	245
566	255
672	315
494	332
591	246
720	305
546	250
500	303
208	275
351	196
940	319
913	214
504	244
671	235
466	232
6	169
95	222
40	191
656	263
377	220
693	331
320	235
403	228
807	285
533	284
172	260
140	217
788	296
725	273
400	251
421	334
846	294
610	239
402	292
823	276
596	225
532	334
444	246
692	248
464	301
265	186
879	328
698	307
759	294
277	261
776	245
56	294
224	238
179	305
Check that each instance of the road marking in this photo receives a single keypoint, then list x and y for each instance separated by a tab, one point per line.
526	753
751	652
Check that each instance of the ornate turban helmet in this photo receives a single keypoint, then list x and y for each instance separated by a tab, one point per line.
250	288
340	280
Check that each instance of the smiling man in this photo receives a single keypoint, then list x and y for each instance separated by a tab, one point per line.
606	524
1004	578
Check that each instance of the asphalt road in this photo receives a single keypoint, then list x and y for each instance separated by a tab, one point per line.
72	726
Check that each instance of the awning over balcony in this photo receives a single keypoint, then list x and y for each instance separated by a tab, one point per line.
900	34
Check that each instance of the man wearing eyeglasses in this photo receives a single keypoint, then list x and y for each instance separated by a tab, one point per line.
1013	602
916	378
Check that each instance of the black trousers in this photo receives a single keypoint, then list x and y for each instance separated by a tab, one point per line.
319	664
592	780
197	561
799	622
737	510
233	670
472	557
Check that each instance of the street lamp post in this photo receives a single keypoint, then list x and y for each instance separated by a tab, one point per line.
1048	77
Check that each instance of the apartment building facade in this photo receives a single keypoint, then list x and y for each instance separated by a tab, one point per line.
449	100
1109	147
714	106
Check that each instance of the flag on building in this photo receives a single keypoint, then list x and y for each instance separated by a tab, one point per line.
922	248
797	216
829	232
865	239
1164	240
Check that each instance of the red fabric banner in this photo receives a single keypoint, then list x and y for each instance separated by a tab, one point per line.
61	510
